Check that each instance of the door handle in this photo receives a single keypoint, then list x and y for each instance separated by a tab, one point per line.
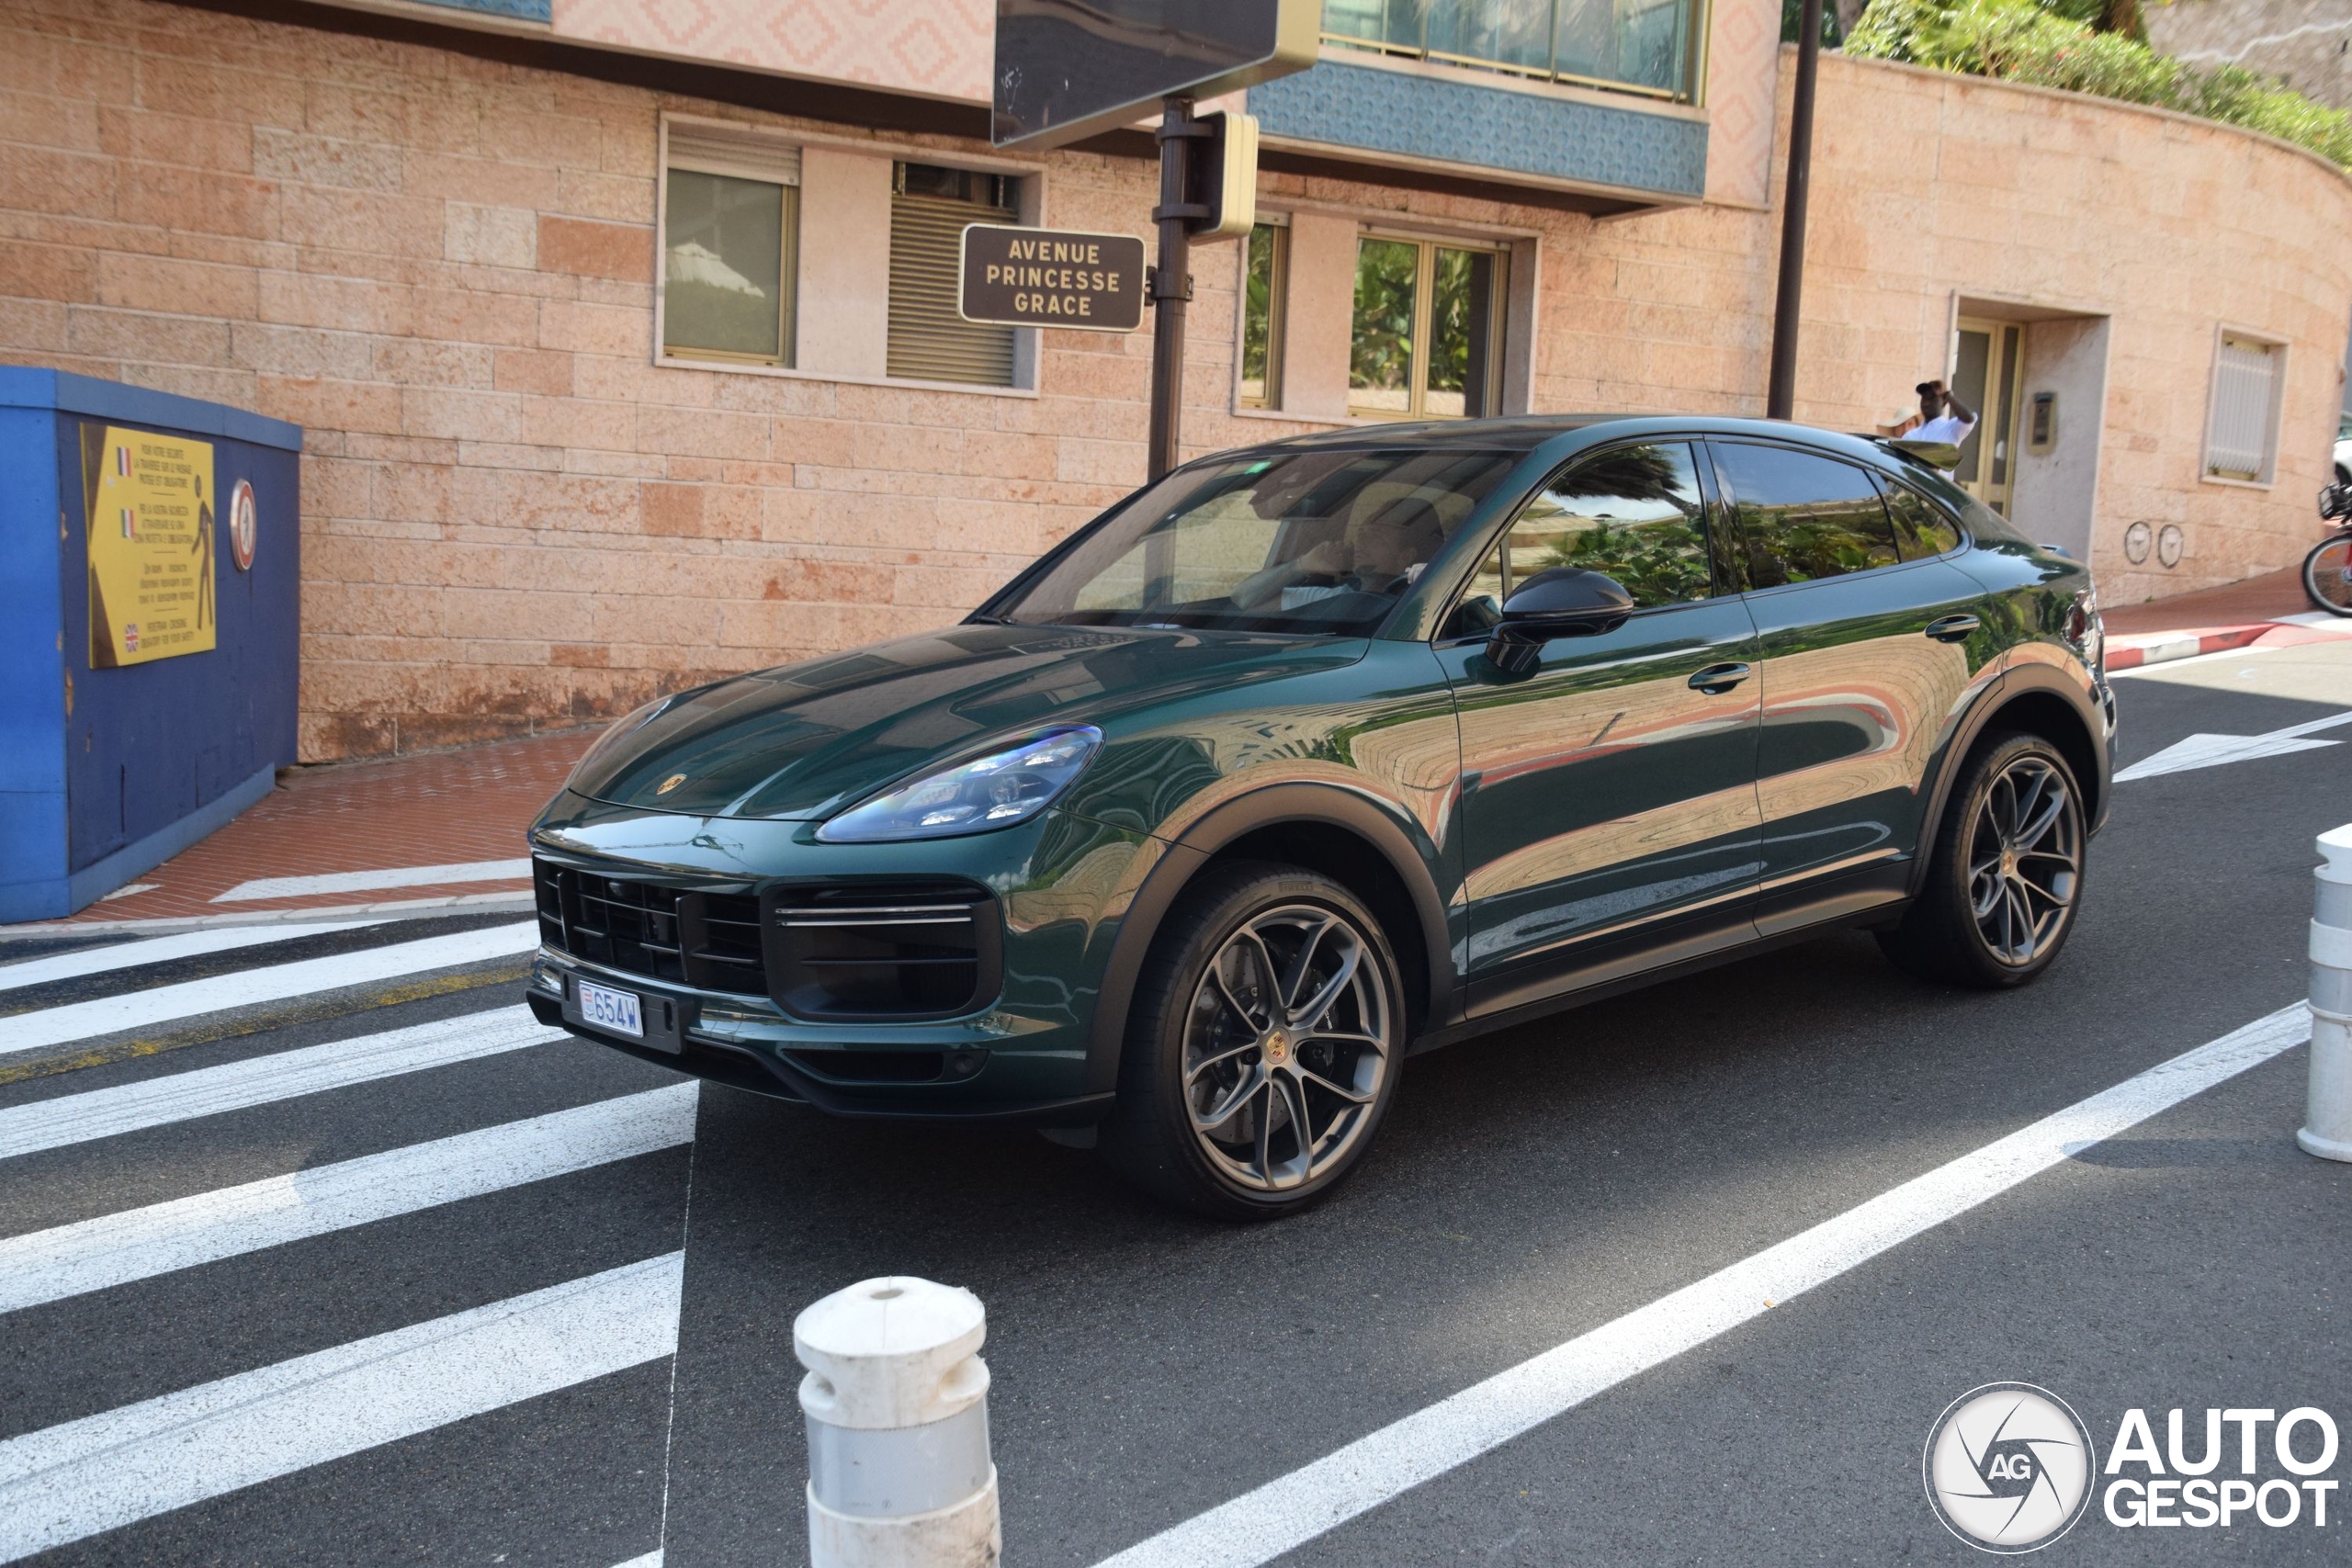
1717	679
1952	628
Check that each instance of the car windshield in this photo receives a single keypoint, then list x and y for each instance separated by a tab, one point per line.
1325	540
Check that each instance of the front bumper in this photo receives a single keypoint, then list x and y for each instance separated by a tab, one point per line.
1060	886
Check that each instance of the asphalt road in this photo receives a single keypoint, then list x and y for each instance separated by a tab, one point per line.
1528	1188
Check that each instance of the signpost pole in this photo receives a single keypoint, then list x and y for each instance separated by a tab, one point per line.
1171	284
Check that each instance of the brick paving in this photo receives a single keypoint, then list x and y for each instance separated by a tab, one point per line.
443	808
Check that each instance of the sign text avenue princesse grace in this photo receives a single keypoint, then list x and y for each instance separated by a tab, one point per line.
1040	277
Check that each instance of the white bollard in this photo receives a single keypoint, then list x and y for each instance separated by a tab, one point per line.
2327	1122
898	1409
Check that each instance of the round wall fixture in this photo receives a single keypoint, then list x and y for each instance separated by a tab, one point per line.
244	525
2136	540
2168	545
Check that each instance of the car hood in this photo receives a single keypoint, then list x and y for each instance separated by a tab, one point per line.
803	740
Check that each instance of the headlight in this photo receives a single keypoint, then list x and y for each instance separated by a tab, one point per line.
636	720
995	791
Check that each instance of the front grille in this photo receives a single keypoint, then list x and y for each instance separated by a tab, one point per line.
894	951
706	940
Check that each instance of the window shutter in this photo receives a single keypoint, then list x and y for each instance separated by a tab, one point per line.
2237	444
929	341
743	151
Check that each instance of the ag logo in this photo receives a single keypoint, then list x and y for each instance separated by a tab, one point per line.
2008	1467
672	782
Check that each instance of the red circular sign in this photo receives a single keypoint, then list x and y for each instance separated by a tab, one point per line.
243	524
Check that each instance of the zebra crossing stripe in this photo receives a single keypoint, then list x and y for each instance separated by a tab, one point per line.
160	949
69	1481
138	1244
650	1560
137	1009
96	1113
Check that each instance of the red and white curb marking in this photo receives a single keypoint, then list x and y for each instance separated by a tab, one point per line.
2129	652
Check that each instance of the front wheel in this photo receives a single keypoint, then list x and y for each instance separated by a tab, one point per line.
2327	574
1263	1044
2006	876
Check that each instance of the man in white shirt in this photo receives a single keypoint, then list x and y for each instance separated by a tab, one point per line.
1941	417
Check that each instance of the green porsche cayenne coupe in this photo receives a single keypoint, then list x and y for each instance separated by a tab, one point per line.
1319	754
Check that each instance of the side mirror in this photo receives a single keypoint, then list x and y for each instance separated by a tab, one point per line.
1567	601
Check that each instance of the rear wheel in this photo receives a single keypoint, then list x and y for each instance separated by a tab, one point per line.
1263	1044
2327	574
2006	878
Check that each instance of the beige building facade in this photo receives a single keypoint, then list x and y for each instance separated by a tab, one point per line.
621	354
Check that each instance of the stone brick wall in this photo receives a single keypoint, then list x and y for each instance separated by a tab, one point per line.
442	267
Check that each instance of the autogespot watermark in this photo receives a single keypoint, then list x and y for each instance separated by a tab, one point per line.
2010	1468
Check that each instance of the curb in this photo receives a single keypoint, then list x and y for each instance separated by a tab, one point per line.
2164	647
454	904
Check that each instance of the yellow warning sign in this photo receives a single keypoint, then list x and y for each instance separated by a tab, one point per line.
150	532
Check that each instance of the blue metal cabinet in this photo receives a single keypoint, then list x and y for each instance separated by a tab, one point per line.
112	759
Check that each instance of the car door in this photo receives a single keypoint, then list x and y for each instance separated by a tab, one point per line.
1871	651
1608	800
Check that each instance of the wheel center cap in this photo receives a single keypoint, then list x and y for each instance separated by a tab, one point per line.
2008	862
1276	1046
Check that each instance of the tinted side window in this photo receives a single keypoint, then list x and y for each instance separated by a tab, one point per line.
1633	513
1921	527
1803	517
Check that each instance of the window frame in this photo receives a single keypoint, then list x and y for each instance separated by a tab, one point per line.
1269	400
1723	572
2266	476
1695	51
1036	194
1424	290
750	167
1959	520
1736	528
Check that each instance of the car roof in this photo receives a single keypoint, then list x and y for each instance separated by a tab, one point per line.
1525	432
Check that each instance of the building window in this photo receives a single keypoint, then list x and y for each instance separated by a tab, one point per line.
729	220
1265	268
2241	434
1428	330
1640	46
930	340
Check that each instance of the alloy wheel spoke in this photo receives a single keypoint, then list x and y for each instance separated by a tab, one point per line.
1352	1096
1315	1011
1233	1103
1294	1098
1304	965
1224	993
2043	820
1270	975
1192	1073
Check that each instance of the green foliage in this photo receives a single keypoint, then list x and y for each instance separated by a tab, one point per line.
2022	40
1657	563
1792	18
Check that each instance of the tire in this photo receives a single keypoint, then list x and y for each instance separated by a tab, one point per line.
2327	574
1210	1092
1999	903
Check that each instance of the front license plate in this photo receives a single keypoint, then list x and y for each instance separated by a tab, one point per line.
604	1008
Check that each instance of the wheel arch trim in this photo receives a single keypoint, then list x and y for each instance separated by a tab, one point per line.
1270	805
2015	682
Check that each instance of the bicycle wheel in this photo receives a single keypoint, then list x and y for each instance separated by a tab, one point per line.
2327	574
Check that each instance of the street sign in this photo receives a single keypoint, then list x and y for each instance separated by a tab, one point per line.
1045	277
1067	68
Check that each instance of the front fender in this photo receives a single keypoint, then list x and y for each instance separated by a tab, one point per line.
1387	828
